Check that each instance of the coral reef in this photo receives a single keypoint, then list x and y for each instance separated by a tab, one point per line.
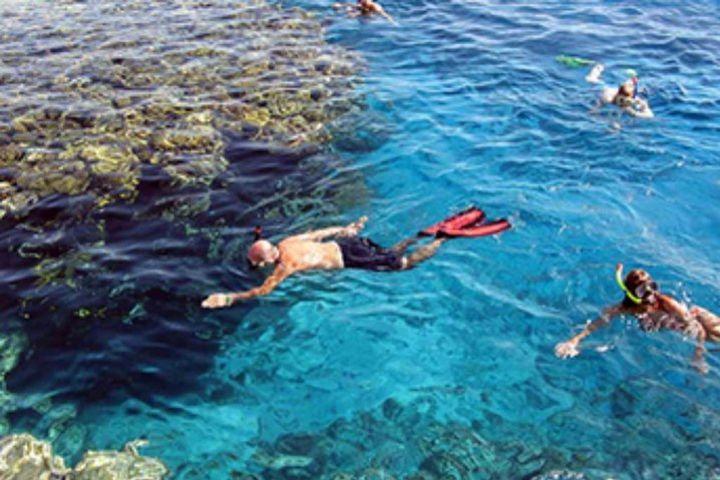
400	441
22	457
106	102
413	441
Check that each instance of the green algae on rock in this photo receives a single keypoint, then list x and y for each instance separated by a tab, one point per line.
167	85
22	457
11	346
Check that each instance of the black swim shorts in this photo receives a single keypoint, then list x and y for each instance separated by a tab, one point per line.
361	252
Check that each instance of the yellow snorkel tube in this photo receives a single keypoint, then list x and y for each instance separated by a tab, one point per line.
619	280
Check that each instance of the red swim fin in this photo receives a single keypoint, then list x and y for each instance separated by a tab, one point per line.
476	230
465	218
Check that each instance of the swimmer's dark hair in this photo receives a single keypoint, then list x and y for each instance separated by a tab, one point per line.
634	279
621	93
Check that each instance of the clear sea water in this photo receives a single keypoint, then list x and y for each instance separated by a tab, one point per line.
465	104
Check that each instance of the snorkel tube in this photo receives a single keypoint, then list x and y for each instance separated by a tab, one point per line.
573	62
632	75
619	280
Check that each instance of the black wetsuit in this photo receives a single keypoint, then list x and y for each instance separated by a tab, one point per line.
361	252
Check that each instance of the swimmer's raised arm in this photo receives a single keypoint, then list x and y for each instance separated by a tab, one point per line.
595	73
221	300
386	15
569	349
346	231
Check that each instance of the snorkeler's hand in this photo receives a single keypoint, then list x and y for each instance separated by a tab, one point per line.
354	228
566	349
218	300
640	109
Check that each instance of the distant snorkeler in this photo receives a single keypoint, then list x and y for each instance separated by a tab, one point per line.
625	96
308	251
364	8
655	311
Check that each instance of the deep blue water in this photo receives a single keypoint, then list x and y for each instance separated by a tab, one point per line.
466	104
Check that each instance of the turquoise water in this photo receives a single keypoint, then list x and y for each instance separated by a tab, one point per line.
466	104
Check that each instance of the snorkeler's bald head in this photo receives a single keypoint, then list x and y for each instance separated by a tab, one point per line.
262	253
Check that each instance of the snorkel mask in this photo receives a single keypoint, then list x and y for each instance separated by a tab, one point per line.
619	280
632	75
642	291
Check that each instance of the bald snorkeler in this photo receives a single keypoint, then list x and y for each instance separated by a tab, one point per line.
364	8
654	311
625	97
336	248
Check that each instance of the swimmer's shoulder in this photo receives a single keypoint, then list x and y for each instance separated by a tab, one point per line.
608	94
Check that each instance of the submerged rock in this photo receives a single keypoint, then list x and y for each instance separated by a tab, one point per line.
560	475
408	441
125	465
11	346
22	457
279	462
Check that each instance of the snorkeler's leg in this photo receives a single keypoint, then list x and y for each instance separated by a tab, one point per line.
698	361
595	73
709	321
402	246
423	253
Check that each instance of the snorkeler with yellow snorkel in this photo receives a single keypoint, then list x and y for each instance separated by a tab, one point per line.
655	311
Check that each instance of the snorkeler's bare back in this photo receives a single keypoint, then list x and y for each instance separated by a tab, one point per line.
673	315
298	255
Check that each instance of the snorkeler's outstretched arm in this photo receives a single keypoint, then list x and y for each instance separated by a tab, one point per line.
569	348
350	9
347	231
386	16
221	300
